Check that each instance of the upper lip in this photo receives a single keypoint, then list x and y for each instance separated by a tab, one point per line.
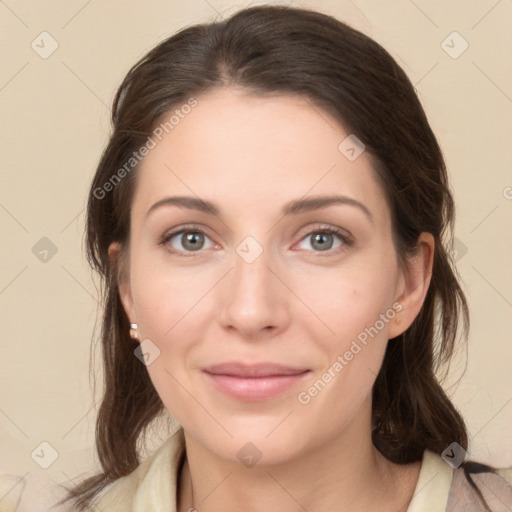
253	370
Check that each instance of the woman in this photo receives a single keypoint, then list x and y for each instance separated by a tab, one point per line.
272	221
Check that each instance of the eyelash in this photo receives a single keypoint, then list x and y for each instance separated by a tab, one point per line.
345	238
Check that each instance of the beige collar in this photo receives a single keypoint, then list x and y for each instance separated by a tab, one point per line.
433	487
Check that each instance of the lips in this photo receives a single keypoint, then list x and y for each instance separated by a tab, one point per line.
237	369
254	382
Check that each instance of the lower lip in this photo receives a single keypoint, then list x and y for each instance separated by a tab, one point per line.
255	388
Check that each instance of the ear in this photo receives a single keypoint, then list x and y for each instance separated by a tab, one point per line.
413	285
116	261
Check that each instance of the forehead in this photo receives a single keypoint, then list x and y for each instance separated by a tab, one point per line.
247	151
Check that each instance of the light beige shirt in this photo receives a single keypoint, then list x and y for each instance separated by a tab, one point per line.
152	486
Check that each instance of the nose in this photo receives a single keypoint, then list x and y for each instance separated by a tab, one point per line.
254	301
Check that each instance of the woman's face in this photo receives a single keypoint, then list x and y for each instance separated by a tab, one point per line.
262	281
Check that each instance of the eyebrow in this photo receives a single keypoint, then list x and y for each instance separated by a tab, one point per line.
291	208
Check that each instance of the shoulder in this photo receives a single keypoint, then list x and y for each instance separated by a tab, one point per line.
494	486
442	488
154	480
11	489
31	492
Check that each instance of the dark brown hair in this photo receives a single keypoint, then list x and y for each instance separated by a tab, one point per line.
284	50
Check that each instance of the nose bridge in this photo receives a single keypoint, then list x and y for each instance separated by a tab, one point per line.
252	300
251	272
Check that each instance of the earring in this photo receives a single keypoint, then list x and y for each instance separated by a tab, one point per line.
133	331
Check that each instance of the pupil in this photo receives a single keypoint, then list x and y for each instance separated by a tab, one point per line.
320	237
191	238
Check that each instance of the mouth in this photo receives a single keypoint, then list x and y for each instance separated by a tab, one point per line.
254	382
236	369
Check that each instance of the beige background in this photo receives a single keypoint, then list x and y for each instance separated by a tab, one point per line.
55	122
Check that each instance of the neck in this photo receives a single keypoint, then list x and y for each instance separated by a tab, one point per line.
344	473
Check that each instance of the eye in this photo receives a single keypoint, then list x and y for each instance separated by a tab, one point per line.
324	239
185	240
191	239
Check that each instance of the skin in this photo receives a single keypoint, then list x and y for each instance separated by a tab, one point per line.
294	304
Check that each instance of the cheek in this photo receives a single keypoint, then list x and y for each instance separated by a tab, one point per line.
165	301
355	309
345	303
164	297
353	353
